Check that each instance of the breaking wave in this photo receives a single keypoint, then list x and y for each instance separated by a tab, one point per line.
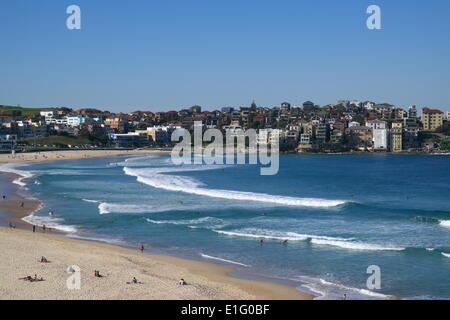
156	177
345	243
204	220
49	222
12	168
445	223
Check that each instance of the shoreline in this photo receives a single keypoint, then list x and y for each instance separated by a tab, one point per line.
217	275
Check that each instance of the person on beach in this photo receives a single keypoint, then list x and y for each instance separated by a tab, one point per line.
4	197
344	297
182	282
142	248
43	227
34	228
22	204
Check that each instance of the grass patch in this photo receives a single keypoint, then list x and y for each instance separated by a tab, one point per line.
19	111
56	141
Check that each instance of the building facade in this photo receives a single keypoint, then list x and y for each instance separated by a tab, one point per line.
432	119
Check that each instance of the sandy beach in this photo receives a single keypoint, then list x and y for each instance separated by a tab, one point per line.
72	155
158	274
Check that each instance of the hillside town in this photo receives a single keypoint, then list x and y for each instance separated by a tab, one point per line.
347	126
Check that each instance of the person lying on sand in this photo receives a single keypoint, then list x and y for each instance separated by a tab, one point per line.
35	279
182	282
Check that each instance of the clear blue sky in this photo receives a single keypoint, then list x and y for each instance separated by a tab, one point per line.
162	55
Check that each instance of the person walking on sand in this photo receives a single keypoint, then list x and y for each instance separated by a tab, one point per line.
34	228
22	204
43	227
142	248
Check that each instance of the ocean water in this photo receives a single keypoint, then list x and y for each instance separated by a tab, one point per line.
340	214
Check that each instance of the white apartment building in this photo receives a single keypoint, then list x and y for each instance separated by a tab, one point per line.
380	139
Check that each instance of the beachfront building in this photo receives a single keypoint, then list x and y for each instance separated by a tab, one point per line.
130	140
380	139
8	142
397	137
160	135
361	137
432	119
322	132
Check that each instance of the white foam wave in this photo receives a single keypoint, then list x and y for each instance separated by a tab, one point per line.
12	168
91	201
223	260
445	223
157	178
446	254
187	222
106	207
49	222
345	243
276	235
354	245
332	291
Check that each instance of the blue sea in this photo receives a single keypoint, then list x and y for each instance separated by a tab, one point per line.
340	214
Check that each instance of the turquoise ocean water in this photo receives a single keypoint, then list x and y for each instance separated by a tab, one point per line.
340	214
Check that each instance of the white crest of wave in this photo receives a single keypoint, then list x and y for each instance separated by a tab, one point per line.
275	235
91	201
223	260
187	222
362	291
446	254
354	245
157	178
49	222
12	168
345	243
445	223
106	207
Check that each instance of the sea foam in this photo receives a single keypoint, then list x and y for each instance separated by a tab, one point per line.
344	243
12	168
50	222
157	178
445	223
